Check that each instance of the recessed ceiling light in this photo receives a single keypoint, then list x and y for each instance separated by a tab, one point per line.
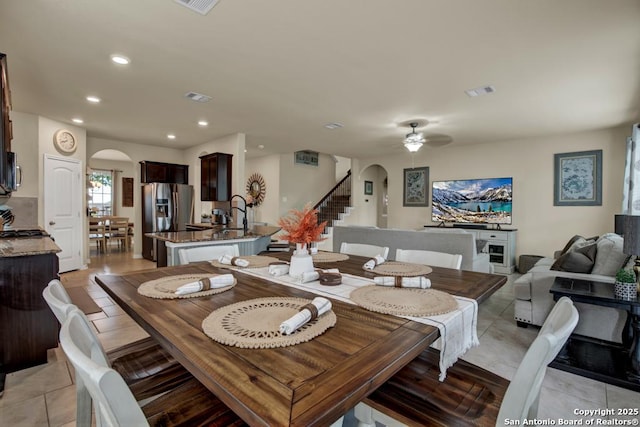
261	146
171	136
77	120
121	60
333	126
245	150
203	123
93	99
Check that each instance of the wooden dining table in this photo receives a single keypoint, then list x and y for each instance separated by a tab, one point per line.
309	384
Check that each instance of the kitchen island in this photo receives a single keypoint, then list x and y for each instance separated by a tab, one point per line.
255	240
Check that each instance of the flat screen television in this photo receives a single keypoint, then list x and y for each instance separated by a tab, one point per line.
472	201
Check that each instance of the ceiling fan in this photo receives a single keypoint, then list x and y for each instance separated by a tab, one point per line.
414	140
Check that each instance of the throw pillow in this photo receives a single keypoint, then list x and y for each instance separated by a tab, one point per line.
580	260
569	244
610	257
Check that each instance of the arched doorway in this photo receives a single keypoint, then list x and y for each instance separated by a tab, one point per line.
374	196
110	187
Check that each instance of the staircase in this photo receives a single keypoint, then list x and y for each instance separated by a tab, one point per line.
335	203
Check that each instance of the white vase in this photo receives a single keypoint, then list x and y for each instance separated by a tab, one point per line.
301	261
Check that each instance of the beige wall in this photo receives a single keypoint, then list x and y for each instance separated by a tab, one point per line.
269	168
302	184
542	227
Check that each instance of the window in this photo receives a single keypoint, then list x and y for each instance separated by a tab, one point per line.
100	190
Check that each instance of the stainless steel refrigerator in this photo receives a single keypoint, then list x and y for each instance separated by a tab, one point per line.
165	207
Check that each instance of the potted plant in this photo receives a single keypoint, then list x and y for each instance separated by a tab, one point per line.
625	286
205	217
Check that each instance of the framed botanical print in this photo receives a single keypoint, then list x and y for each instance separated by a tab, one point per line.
416	187
578	178
368	188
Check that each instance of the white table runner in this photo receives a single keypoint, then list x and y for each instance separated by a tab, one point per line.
458	328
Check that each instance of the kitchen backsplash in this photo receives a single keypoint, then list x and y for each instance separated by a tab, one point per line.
25	210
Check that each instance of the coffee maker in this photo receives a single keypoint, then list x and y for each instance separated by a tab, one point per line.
220	213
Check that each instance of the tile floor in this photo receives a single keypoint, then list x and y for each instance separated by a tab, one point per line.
45	395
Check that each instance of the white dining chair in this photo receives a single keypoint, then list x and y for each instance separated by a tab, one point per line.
206	253
427	400
188	404
147	368
437	259
363	249
521	399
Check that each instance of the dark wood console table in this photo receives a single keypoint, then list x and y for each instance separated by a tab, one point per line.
601	360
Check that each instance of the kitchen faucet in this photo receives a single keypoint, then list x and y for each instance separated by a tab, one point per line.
245	225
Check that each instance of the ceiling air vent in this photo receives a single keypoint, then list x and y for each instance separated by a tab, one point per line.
201	6
197	97
483	90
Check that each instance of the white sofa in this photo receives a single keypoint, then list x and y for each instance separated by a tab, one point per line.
452	241
534	301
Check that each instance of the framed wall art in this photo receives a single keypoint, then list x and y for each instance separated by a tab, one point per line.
306	157
415	188
578	178
127	192
368	188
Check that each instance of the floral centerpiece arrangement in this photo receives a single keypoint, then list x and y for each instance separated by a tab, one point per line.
301	228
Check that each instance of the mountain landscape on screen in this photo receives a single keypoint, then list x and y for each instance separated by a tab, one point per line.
481	201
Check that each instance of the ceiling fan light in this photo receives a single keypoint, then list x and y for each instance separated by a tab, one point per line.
412	146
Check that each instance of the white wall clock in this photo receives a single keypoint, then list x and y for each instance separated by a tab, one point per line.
65	141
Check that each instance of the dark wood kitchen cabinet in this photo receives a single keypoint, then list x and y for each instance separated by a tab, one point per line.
169	173
27	326
215	177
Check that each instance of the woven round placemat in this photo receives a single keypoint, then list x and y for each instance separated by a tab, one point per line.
329	257
396	268
255	261
255	323
165	287
404	301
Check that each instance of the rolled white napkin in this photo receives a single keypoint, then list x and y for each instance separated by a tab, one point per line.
403	282
277	270
233	260
310	276
377	260
289	326
206	283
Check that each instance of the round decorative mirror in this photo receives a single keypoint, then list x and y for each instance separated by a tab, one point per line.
256	188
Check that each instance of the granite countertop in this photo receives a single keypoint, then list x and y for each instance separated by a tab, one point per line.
27	246
216	233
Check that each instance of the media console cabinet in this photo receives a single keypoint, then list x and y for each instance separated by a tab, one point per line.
501	246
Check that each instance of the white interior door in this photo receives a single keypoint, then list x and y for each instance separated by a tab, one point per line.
62	208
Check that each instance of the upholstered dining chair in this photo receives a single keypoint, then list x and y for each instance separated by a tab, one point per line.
437	259
206	253
470	395
363	249
144	365
188	404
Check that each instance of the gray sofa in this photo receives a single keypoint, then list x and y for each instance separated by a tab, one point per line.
453	241
534	301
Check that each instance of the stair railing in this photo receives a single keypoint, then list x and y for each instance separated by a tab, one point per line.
335	201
